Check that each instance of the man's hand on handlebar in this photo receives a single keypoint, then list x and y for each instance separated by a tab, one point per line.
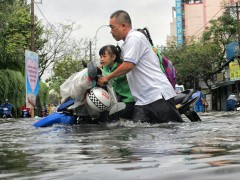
102	81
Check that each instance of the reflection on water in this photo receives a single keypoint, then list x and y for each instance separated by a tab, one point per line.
206	150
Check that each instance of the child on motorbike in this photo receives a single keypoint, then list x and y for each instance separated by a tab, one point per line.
110	61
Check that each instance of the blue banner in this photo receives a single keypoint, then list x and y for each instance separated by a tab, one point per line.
32	77
179	24
232	50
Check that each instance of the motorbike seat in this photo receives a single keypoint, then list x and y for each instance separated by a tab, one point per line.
184	96
179	98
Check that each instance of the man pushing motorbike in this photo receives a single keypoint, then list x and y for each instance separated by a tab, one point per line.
153	93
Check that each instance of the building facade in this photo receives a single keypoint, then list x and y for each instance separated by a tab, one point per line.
195	18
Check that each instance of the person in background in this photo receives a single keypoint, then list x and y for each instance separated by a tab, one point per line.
231	102
152	91
9	107
110	61
199	105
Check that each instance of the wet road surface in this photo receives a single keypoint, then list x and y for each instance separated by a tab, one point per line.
206	150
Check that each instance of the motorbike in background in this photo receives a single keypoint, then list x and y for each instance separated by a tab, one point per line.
5	112
25	113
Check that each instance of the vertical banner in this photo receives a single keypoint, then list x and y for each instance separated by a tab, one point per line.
32	77
179	22
234	70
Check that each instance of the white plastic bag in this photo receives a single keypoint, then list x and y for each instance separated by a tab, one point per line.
76	86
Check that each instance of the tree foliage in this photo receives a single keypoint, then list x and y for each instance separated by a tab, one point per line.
221	32
12	87
62	70
58	44
194	61
15	27
54	97
43	95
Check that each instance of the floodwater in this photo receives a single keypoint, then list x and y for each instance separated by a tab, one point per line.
206	150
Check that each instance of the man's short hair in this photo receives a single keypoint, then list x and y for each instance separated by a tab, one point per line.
122	17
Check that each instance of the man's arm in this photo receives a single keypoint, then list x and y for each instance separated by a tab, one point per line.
122	70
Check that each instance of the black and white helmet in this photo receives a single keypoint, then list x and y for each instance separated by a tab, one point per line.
98	99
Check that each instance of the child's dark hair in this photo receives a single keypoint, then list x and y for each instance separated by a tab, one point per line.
112	50
147	34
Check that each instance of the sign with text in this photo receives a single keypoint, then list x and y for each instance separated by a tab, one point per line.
234	70
179	24
32	77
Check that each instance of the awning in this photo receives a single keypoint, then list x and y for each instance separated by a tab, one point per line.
221	84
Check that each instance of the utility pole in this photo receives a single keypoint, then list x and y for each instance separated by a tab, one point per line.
238	23
32	27
32	48
234	4
90	46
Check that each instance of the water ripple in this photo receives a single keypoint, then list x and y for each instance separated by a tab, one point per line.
124	150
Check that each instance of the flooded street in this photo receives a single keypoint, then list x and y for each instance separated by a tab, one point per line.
206	150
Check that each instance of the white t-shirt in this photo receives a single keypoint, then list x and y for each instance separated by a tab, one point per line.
146	80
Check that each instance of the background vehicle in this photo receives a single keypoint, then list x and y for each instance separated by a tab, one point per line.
5	112
179	88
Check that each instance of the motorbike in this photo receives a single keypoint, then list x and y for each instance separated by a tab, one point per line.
5	112
73	111
25	113
184	103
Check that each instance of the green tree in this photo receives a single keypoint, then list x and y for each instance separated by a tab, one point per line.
58	44
12	87
62	70
54	97
15	34
193	61
43	95
221	32
15	26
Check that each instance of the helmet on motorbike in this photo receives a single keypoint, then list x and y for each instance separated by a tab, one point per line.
6	100
98	99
